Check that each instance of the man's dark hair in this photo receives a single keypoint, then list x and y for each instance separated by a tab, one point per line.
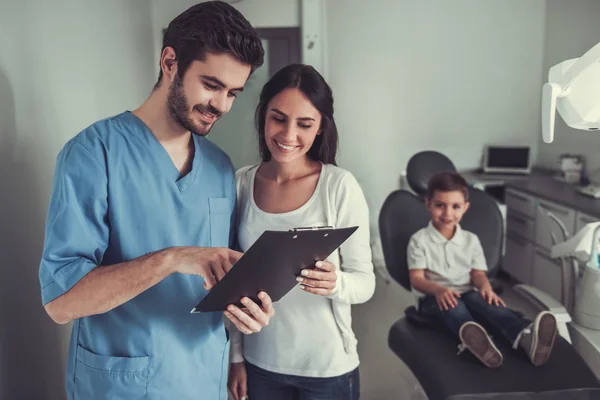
312	84
447	182
212	27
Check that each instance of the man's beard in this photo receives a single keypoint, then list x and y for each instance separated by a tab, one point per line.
179	110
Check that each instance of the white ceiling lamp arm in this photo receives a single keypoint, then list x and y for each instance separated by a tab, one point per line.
551	91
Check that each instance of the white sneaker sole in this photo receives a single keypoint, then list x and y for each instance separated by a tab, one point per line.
476	339
543	342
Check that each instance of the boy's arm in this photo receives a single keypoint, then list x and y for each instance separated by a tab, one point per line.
422	284
479	267
417	263
444	297
479	280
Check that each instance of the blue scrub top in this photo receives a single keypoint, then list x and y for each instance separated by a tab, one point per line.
116	196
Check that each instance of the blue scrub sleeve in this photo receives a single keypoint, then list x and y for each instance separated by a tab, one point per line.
77	231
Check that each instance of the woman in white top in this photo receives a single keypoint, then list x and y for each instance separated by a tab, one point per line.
309	350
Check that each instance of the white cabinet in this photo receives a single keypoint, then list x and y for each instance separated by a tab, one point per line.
547	275
518	225
545	227
529	240
520	203
518	258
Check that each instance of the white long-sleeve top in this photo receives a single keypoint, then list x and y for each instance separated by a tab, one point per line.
310	335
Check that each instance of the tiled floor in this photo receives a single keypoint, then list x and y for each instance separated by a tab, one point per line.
383	375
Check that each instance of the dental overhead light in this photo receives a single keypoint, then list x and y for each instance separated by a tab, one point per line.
573	89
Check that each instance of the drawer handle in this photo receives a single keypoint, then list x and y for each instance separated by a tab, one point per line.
553	209
518	197
518	241
520	220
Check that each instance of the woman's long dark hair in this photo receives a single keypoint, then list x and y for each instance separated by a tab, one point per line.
311	83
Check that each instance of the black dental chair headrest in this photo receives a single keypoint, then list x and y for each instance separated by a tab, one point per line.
422	166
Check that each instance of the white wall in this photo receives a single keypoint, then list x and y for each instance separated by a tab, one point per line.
260	13
63	65
414	75
572	28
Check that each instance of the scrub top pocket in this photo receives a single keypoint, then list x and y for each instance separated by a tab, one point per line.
105	377
220	221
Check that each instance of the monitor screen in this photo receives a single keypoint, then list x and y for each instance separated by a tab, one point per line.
508	157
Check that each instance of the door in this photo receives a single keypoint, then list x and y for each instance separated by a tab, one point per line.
235	133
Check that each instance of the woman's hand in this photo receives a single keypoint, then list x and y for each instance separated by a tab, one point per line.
321	280
252	317
238	381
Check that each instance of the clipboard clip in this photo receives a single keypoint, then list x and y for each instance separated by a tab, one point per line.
312	228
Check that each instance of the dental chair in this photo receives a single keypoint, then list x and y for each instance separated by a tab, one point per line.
431	354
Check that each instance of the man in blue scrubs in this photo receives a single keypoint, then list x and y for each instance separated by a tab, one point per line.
140	224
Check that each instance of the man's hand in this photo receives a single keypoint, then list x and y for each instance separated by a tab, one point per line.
238	381
321	280
211	263
491	297
252	318
446	298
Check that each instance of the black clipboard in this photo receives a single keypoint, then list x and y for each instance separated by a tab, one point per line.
272	265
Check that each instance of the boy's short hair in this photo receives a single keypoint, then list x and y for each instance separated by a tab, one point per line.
447	182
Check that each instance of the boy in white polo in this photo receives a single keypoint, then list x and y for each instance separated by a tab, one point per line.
448	267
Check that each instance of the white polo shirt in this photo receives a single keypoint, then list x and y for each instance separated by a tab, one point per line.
446	262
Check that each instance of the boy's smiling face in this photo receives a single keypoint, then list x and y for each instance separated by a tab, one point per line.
446	209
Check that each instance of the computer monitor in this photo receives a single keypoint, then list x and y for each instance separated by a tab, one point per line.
507	159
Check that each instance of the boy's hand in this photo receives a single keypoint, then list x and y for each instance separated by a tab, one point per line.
491	297
446	298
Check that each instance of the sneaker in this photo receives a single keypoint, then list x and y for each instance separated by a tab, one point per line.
477	341
538	338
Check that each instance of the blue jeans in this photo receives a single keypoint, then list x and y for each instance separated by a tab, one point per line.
472	307
266	385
